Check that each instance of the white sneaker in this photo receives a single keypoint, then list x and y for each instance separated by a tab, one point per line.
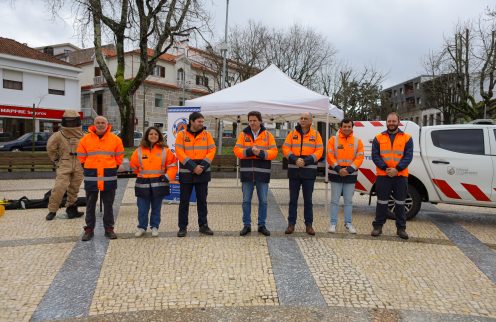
332	229
154	232
350	228
139	232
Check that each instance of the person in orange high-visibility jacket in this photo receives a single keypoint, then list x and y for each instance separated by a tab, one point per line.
195	150
392	152
303	148
100	153
255	147
155	166
344	157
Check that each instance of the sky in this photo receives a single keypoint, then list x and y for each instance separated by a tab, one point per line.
394	36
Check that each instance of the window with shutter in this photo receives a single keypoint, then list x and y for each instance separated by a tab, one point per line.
56	86
12	79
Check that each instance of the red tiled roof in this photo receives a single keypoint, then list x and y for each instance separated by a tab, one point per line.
14	48
109	52
199	91
152	83
164	85
151	52
168	57
201	67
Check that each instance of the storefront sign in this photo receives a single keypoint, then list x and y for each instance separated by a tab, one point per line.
27	112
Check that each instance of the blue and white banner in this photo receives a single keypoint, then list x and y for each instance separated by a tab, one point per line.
177	120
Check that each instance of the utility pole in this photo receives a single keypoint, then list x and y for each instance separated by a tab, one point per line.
34	129
223	75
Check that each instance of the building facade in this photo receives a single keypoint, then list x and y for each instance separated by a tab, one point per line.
36	89
409	100
182	74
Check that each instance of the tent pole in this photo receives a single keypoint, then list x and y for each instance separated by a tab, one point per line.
326	168
221	134
238	122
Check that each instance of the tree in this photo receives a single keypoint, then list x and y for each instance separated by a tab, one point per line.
462	70
151	26
487	56
356	92
299	52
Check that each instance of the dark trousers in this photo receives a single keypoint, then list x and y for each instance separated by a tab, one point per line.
108	197
294	193
185	191
385	187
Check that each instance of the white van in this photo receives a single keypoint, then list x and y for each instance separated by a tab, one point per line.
453	164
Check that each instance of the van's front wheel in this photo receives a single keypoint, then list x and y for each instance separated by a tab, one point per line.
412	204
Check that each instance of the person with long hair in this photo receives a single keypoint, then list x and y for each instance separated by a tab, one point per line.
155	166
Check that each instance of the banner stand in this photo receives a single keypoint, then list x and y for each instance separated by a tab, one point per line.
177	121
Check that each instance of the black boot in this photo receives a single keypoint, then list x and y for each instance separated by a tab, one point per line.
377	231
50	215
401	232
72	212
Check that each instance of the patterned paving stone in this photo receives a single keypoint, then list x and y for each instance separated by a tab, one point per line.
162	273
227	195
282	197
27	184
362	220
29	193
31	223
485	233
403	276
220	218
25	274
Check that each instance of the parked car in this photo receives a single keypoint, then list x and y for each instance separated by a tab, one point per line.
137	136
25	142
5	137
454	164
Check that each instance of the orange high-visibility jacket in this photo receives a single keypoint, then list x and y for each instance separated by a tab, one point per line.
344	152
155	168
392	154
194	150
252	167
307	146
100	158
154	163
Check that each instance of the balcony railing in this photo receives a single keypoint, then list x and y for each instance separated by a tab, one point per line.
98	80
88	112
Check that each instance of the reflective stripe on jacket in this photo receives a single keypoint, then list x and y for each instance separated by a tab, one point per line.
253	167
154	168
100	158
307	146
392	154
193	150
344	152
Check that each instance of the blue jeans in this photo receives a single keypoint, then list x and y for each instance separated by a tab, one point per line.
294	192
144	205
347	189
262	190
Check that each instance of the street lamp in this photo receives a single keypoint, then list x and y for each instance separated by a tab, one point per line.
224	51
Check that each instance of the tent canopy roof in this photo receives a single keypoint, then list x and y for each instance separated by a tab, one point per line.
272	93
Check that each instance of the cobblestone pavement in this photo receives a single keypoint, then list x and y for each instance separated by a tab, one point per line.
444	272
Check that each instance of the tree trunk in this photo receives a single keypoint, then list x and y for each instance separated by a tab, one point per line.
127	123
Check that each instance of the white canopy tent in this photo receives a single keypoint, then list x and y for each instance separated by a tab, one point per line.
272	93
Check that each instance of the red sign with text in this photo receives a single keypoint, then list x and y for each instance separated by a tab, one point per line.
27	112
